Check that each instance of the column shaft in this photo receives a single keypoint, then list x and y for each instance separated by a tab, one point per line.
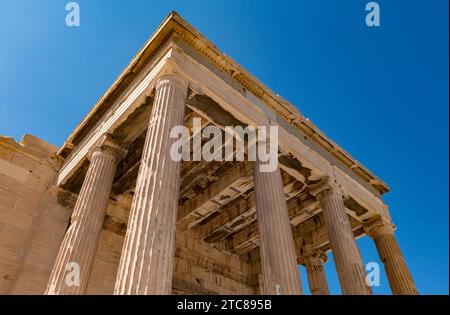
278	258
78	248
146	264
399	277
316	275
347	258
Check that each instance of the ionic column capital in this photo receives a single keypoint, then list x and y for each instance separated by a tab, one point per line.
325	187
107	145
313	259
378	226
312	256
172	78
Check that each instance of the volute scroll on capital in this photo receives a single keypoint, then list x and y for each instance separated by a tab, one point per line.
377	226
170	74
325	186
313	256
107	144
172	78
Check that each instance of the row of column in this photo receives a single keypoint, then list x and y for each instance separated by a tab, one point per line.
146	262
348	262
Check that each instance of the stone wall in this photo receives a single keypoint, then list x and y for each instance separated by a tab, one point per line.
32	223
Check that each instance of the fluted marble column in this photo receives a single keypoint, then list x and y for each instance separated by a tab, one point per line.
78	248
399	277
146	264
278	258
347	258
313	262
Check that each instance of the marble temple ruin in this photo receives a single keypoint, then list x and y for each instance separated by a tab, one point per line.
135	221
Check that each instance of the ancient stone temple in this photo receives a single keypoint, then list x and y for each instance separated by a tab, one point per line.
111	212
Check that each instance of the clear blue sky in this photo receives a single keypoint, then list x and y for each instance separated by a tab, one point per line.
381	93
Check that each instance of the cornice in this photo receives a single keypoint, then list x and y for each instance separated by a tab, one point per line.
175	25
